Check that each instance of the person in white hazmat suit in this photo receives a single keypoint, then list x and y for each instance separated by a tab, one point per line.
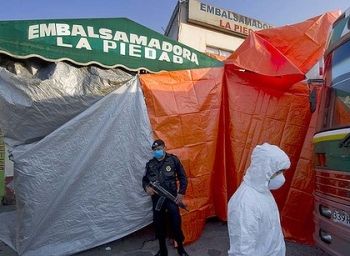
253	218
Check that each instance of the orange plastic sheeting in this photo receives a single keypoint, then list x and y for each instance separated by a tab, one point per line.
184	109
256	115
257	54
297	212
212	119
286	50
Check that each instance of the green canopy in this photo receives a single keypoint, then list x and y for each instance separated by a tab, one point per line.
107	42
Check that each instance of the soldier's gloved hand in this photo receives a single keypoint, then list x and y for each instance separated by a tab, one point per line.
150	191
179	198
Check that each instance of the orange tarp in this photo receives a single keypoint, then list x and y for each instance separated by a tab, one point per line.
213	118
274	108
280	118
296	208
291	49
184	110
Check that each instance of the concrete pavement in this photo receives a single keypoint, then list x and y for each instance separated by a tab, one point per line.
213	242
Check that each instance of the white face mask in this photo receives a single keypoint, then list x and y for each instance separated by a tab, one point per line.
276	182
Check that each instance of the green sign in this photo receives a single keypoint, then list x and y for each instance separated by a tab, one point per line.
106	42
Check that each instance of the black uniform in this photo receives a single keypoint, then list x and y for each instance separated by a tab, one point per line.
167	172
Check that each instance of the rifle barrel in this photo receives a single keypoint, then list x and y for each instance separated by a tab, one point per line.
167	194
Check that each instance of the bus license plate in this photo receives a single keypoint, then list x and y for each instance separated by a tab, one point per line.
341	216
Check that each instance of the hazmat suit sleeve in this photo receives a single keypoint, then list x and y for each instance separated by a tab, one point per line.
244	230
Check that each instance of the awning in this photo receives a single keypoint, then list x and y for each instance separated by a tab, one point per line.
109	42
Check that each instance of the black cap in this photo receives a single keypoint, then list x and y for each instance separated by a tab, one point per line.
157	143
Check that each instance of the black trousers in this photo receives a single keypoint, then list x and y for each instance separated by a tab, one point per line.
159	219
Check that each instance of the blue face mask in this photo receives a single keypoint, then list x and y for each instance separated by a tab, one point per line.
158	153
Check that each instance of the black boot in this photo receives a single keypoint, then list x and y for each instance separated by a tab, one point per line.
163	251
160	253
181	251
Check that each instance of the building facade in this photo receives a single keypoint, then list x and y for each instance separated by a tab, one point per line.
210	29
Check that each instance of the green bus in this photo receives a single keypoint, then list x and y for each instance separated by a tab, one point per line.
332	145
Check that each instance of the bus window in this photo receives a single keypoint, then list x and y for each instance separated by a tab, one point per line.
340	63
341	113
340	86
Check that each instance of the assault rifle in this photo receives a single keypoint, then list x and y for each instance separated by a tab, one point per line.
165	193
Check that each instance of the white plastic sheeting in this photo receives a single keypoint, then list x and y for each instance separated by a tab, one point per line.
80	186
38	97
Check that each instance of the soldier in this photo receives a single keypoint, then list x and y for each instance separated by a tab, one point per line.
166	169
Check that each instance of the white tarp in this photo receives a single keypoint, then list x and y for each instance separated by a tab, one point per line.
80	186
38	97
